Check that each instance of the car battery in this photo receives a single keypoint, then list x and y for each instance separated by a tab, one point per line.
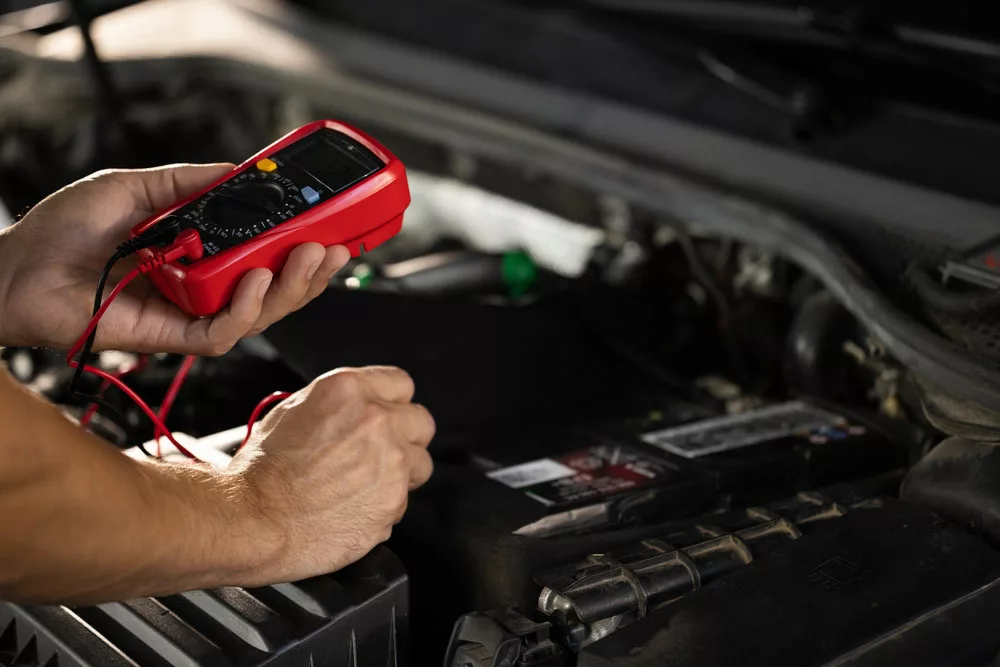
502	507
492	516
781	448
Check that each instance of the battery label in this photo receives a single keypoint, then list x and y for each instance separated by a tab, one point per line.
723	434
583	475
533	472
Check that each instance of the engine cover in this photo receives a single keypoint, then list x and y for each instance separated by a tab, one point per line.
358	616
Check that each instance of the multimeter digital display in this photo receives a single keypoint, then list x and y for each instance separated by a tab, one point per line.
326	182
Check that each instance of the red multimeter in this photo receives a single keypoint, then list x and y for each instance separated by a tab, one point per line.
325	182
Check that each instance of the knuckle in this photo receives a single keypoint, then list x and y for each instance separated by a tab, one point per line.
322	389
338	385
426	470
430	425
395	458
395	373
406	380
403	375
346	383
375	420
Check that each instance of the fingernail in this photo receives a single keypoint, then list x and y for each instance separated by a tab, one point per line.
313	268
262	287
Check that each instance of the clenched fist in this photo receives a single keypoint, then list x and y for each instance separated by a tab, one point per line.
330	469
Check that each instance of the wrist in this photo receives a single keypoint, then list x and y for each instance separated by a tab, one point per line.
215	522
264	556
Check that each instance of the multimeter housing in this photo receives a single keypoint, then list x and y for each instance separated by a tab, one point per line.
326	182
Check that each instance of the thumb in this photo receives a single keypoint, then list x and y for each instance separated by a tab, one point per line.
154	190
106	204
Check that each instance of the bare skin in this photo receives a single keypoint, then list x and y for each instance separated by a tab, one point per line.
51	260
323	480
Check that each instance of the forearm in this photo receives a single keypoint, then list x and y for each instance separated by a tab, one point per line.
83	523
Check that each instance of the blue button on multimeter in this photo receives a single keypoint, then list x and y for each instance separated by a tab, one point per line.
310	195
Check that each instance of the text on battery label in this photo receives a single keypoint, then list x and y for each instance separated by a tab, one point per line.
533	472
733	432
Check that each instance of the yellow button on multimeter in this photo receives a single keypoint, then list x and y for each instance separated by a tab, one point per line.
267	165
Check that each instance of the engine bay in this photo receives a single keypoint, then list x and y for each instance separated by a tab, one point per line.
658	442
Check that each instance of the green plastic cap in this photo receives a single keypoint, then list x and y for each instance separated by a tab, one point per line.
519	272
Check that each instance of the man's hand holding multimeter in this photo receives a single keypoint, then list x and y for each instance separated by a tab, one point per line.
265	254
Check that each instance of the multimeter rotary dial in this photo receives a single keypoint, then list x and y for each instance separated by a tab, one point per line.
245	206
